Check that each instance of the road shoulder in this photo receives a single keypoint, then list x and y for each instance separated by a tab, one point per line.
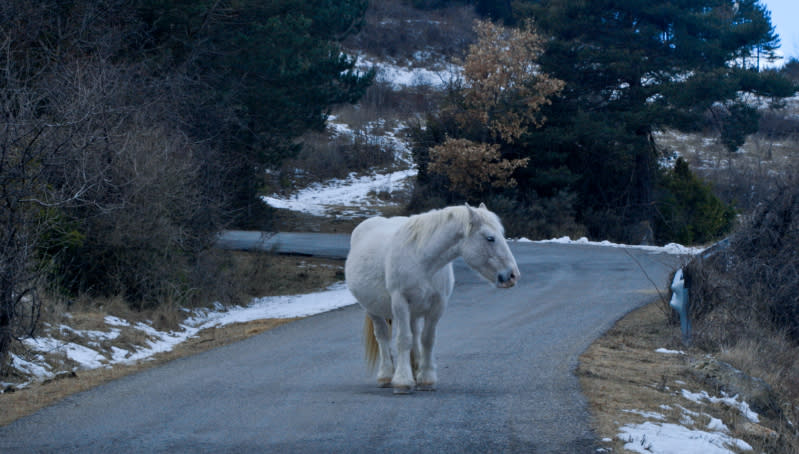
638	375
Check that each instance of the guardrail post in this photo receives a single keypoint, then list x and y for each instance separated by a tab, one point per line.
679	302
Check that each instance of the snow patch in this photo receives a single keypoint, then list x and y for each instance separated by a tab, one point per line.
86	357
399	77
355	192
648	438
733	402
646	414
666	351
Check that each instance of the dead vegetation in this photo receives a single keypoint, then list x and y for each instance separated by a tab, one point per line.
745	298
753	173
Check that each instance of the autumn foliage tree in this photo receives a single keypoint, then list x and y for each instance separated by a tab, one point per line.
472	168
501	96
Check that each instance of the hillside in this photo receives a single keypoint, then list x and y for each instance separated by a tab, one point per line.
417	54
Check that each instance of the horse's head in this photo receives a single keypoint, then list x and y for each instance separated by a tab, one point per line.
485	250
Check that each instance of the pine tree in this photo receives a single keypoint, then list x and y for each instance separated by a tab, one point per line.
265	72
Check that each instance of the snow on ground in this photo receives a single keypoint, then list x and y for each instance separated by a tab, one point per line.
410	76
671	248
657	437
354	196
669	352
350	197
725	399
668	438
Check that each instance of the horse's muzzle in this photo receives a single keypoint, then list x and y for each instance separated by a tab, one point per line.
507	279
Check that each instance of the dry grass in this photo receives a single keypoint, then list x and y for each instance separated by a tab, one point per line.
623	377
744	178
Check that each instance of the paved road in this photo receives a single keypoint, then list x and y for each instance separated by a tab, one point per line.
506	370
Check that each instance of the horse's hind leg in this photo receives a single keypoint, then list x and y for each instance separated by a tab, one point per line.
383	335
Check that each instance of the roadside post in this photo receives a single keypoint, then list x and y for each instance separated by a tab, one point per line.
679	302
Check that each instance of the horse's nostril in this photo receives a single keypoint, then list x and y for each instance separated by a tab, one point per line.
503	278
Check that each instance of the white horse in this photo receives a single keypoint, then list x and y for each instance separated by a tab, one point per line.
400	270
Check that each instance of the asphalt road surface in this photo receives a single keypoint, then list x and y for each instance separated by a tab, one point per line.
506	376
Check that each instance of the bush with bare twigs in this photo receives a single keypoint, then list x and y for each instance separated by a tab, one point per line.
754	283
744	299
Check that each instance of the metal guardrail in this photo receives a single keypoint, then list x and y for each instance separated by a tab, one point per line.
326	245
679	292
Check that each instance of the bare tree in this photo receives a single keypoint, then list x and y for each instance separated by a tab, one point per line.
30	148
99	187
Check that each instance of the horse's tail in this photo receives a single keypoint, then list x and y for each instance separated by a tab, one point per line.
371	349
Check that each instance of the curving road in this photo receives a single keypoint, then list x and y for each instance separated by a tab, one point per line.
506	369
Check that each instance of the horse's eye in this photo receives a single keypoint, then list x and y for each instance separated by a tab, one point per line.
490	239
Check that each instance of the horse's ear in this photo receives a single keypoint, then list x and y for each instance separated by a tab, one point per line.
483	206
474	218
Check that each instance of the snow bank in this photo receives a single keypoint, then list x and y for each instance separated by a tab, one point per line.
671	248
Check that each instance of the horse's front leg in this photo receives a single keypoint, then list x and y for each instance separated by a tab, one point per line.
402	381
416	351
427	376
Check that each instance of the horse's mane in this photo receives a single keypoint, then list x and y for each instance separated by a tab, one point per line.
421	227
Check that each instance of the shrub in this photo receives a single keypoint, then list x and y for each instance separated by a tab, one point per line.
752	285
778	125
688	212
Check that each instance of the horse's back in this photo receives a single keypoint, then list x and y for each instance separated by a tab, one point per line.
365	266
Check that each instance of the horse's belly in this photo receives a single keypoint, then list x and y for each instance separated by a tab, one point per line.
365	266
370	291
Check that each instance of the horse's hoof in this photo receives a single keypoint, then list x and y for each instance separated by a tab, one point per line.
426	386
384	382
403	389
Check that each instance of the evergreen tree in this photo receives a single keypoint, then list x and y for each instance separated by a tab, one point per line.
265	72
632	68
